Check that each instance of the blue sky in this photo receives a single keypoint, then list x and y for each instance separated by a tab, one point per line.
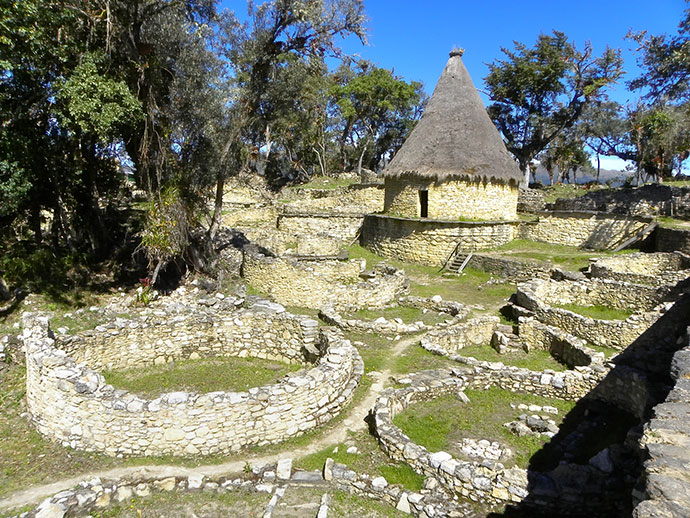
414	37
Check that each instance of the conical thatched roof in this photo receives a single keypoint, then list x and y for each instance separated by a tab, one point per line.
455	137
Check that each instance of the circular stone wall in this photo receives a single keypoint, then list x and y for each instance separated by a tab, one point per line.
71	403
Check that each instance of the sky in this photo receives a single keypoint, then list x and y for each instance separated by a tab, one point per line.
414	37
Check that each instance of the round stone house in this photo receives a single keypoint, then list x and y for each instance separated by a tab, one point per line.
452	186
454	164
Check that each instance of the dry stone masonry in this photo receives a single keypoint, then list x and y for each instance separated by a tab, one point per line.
70	402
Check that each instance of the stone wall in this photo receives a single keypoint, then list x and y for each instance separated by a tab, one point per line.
483	481
596	231
530	200
342	228
430	242
451	338
664	490
514	269
314	284
396	326
671	240
567	349
647	200
355	199
650	269
71	403
451	199
538	295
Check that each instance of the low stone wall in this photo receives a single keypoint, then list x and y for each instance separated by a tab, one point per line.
671	240
514	269
664	489
71	403
567	349
453	337
356	199
488	482
249	216
430	242
342	228
592	230
650	269
315	284
538	295
396	326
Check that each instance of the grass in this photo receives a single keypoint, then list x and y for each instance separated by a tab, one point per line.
200	376
536	360
376	351
670	222
553	192
441	422
415	358
369	459
597	312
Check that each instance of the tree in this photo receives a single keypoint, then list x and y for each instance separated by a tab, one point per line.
565	155
377	111
666	61
539	92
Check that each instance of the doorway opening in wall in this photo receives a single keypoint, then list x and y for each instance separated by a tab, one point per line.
424	203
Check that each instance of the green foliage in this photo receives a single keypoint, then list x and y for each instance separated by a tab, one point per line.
538	92
14	188
97	104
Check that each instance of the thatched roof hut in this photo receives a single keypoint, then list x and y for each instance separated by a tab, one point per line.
454	159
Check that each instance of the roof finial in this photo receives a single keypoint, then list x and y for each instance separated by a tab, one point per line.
457	52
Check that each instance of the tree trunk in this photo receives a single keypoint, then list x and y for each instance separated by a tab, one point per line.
361	157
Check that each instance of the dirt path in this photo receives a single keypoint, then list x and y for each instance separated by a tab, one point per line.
354	421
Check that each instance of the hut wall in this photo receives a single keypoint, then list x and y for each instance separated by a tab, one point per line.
451	200
428	241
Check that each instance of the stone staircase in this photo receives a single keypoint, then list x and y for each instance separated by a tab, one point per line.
458	262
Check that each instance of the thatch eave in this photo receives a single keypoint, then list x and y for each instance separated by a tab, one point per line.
440	176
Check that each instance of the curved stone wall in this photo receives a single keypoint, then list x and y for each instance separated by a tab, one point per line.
71	403
429	241
538	295
314	284
482	481
451	199
655	269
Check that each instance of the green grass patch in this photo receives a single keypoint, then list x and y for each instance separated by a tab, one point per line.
200	376
669	222
415	358
376	351
438	424
536	360
597	312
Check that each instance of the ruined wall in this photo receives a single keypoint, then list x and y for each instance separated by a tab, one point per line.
671	240
451	338
665	488
343	228
451	199
597	231
314	284
514	269
538	295
650	269
430	242
354	199
73	405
